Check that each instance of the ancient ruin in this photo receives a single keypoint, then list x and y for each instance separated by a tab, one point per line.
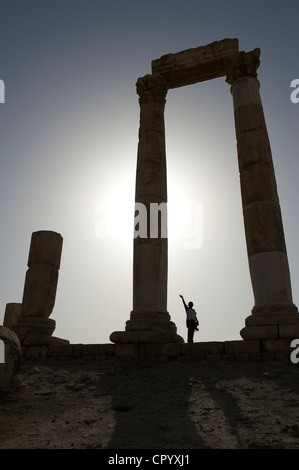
10	356
30	319
274	315
274	320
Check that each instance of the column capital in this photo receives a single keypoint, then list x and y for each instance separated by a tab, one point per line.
243	64
152	88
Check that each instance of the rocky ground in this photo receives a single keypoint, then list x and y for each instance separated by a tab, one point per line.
126	404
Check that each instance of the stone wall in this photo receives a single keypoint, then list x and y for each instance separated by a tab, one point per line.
254	351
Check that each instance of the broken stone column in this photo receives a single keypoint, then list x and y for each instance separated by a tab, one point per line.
13	312
267	255
149	320
10	356
34	326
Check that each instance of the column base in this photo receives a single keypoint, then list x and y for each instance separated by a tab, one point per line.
150	336
272	322
34	326
148	327
42	340
37	331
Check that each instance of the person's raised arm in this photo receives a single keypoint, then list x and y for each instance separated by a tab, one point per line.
185	305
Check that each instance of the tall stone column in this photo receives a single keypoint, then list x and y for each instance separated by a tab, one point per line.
150	253
274	314
149	320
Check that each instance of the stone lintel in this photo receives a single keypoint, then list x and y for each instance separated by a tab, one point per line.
197	64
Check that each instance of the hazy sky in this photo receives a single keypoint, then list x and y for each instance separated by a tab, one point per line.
68	140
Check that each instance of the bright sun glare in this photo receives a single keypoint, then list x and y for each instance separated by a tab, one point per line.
115	213
115	216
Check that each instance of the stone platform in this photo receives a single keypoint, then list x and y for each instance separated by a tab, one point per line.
236	350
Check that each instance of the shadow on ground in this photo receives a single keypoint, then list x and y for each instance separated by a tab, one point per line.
120	403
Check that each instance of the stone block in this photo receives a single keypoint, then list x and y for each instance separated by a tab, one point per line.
258	184
196	64
268	357
77	349
242	357
186	358
249	118
253	148
12	314
234	347
100	358
283	358
213	357
279	318
39	291
159	349
209	347
106	349
290	331
259	332
10	356
125	349
45	247
32	351
44	351
271	283
150	137
255	357
284	309
198	357
228	357
97	349
153	316
162	359
42	340
258	218
151	349
90	349
60	350
277	345
171	349
186	349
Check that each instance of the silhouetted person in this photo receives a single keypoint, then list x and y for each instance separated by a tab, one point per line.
191	319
